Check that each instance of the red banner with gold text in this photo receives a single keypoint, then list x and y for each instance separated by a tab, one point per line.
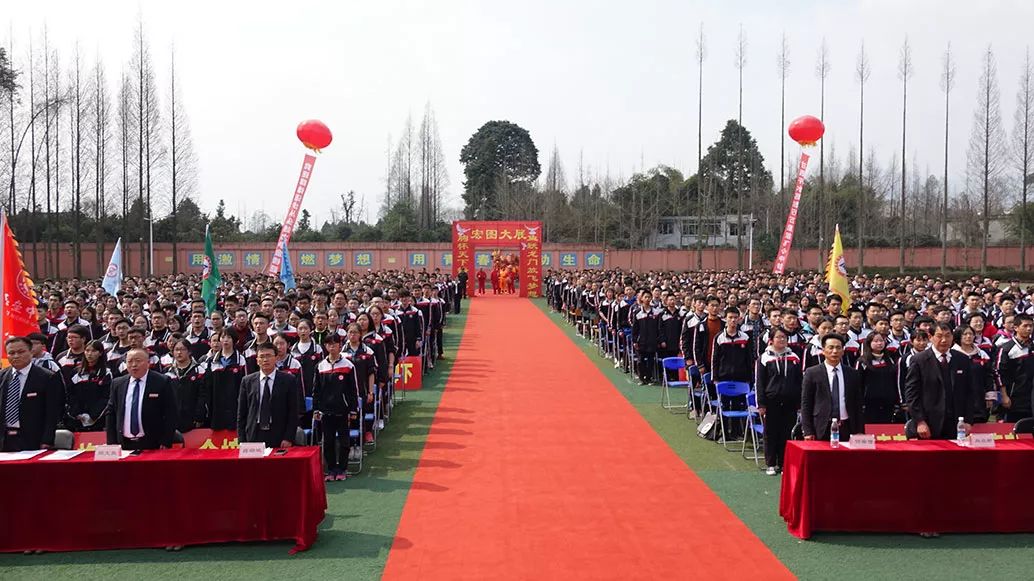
19	316
292	215
791	219
467	236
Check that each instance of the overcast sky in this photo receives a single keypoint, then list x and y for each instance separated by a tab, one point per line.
615	80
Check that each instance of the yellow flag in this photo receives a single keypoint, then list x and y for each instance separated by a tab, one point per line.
836	272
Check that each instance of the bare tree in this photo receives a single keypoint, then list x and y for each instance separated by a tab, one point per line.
433	175
101	137
784	71
947	82
126	146
740	62
701	53
862	71
75	126
987	145
1022	149
183	162
904	74
822	67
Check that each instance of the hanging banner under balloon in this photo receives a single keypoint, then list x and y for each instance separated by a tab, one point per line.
791	219
292	215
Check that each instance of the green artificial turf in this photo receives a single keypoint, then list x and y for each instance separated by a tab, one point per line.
754	497
354	538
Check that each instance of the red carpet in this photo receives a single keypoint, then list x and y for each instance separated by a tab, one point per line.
537	467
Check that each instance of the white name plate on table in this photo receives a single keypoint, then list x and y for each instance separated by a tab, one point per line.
981	440
107	453
251	450
862	442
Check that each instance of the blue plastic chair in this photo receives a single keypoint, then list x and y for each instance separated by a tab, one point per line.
756	428
674	365
355	435
698	398
308	431
729	391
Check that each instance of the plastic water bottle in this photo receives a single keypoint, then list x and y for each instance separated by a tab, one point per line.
960	432
834	434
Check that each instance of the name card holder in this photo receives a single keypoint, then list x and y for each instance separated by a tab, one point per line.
251	450
107	453
981	440
863	441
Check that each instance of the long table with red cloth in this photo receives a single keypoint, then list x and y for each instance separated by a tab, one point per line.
161	498
908	487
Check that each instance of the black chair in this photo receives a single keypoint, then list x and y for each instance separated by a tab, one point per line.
177	437
1024	426
797	433
910	430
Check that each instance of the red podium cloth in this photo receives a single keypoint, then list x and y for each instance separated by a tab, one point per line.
908	487
161	498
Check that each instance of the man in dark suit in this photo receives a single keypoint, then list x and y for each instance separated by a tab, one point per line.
831	390
144	405
940	387
31	400
267	408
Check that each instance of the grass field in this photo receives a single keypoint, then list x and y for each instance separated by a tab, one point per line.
754	497
363	515
354	539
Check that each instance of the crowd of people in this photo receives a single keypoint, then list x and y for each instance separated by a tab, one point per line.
151	363
934	354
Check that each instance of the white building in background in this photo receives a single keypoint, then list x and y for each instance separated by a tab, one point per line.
684	231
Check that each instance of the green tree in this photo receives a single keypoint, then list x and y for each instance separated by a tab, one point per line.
498	151
190	223
1021	219
734	174
399	223
227	228
8	76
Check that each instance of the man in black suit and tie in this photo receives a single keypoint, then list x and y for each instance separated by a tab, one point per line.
267	409
31	400
144	405
940	387
831	390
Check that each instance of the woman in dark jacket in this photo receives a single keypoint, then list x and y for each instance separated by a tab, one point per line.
224	369
89	389
778	384
879	374
188	382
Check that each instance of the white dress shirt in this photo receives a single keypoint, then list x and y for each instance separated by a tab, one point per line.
126	429
937	355
262	383
830	371
24	377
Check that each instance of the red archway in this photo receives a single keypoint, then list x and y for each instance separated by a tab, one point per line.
467	236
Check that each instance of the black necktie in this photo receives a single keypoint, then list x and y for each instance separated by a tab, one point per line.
134	410
836	393
266	407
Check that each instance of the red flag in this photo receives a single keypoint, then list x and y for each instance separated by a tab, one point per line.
19	316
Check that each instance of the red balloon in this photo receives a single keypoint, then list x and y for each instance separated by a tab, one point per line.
806	130
314	134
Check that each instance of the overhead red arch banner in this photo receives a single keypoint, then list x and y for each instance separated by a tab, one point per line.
467	236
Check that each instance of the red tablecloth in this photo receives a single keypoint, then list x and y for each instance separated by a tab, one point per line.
908	487
161	498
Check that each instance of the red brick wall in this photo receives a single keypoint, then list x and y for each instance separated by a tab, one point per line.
398	255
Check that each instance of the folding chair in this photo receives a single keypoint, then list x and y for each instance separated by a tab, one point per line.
756	427
701	400
1023	426
730	390
674	364
355	434
371	420
308	432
